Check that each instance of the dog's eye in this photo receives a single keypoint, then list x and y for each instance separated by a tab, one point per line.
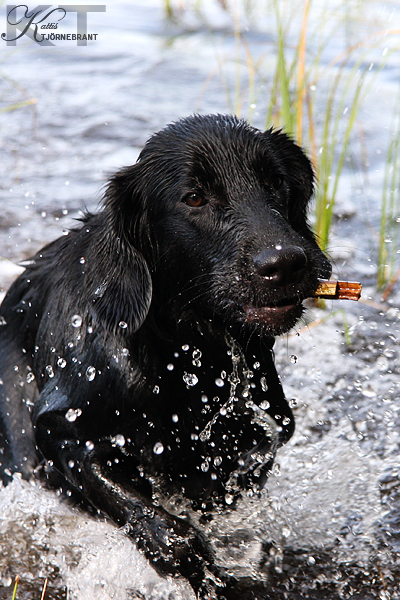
276	181
194	200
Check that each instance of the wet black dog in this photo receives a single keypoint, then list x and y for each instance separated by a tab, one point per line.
136	352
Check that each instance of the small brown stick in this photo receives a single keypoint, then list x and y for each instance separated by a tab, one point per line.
338	290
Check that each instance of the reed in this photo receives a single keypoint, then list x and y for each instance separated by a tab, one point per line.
388	248
17	579
15	587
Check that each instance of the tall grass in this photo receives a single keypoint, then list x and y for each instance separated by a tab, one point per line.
295	105
17	580
15	588
390	209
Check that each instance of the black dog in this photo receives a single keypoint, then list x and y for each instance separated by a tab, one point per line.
136	352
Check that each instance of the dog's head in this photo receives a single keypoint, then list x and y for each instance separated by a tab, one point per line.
217	209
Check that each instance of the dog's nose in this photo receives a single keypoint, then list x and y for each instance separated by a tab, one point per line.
281	265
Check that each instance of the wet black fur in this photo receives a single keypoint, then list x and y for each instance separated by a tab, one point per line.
109	320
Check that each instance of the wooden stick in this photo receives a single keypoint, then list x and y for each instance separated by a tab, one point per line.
338	290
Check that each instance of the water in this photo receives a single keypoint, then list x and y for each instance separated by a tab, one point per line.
327	523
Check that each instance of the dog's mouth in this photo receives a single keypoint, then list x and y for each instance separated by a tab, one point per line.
273	316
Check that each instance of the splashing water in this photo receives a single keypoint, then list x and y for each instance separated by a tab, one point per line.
76	321
72	414
190	379
90	373
240	386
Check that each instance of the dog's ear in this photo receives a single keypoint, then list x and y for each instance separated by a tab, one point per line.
119	282
299	173
125	202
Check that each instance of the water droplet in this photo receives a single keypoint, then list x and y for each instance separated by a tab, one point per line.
190	379
71	464
229	498
368	392
49	371
286	532
293	359
76	321
72	414
175	418
276	469
90	373
204	398
119	440
185	347
285	421
62	363
217	461
99	291
158	448
170	367
264	384
256	365
196	355
219	382
123	325
205	466
156	389
82	260
265	405
234	379
2	321
30	377
89	445
205	435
